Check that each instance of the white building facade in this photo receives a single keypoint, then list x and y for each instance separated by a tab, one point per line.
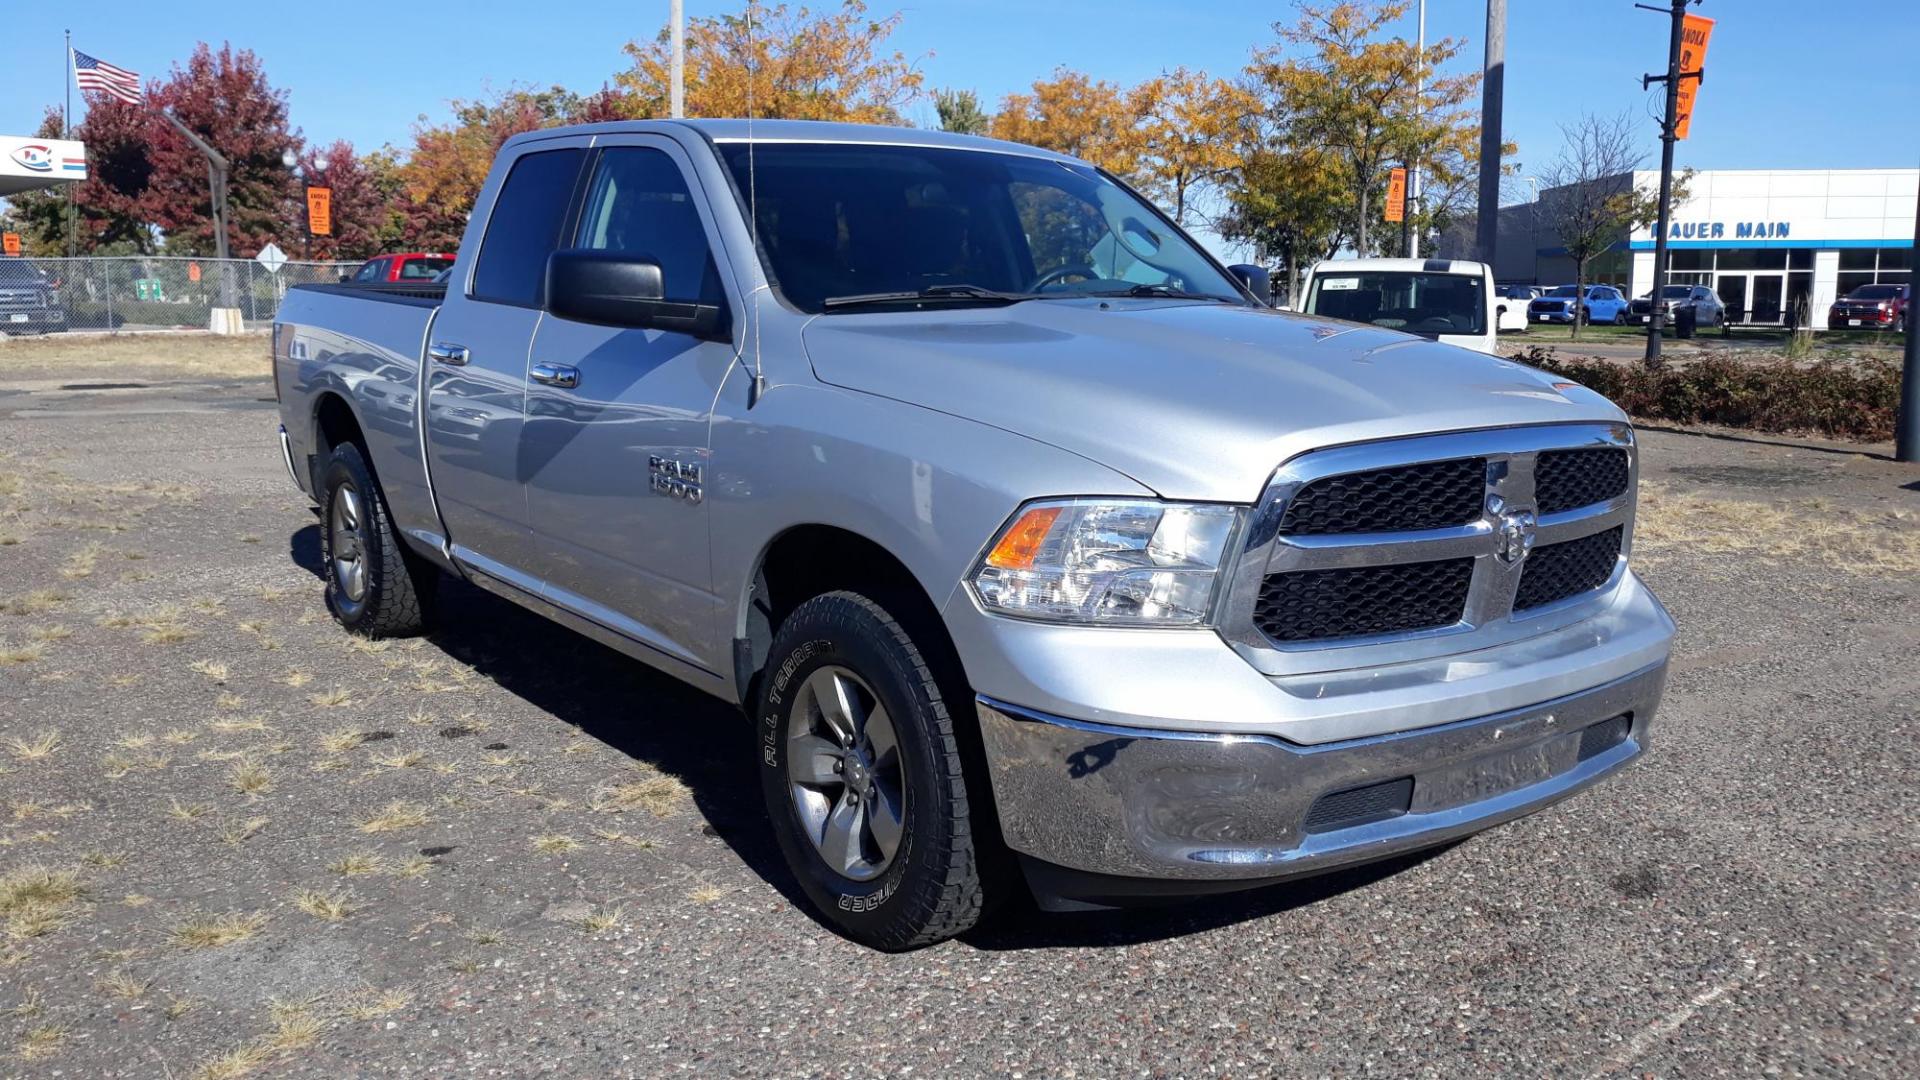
1778	245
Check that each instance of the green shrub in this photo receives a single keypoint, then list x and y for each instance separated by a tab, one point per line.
1848	400
92	314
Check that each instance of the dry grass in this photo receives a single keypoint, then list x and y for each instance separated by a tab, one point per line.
249	777
1813	530
21	654
49	633
239	723
372	1004
37	748
394	817
412	866
42	1041
81	563
658	794
339	742
331	906
332	699
603	918
214	931
212	669
554	844
242	831
297	679
180	811
37	900
405	760
357	864
147	356
707	892
241	1061
123	984
37	602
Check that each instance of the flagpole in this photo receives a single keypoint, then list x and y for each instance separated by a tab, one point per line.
66	132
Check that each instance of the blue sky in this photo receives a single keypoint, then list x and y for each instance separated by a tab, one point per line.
1781	76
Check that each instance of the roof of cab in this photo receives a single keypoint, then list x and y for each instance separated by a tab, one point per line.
796	131
1428	266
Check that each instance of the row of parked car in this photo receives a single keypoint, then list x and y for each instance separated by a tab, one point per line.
1604	304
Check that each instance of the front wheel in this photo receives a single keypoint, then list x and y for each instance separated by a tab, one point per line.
1620	318
862	775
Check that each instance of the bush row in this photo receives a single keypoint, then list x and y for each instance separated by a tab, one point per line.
1851	400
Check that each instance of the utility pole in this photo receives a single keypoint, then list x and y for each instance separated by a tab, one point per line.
1492	94
66	132
1906	434
1657	312
677	94
1419	100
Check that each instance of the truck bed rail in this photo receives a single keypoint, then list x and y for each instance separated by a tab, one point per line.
415	295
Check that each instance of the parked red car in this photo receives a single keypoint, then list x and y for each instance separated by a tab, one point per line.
418	266
1874	307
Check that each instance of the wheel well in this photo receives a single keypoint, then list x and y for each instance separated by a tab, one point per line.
809	560
334	424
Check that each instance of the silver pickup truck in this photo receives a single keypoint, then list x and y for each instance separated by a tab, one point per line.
1032	541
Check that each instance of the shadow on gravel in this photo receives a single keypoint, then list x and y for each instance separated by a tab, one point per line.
656	719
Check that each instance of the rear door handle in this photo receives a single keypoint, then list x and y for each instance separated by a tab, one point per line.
445	352
555	375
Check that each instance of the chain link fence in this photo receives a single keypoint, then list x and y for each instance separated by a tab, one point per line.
145	293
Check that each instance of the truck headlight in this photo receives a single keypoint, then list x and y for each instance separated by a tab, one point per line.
1107	562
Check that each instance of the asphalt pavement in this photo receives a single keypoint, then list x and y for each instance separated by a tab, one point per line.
235	840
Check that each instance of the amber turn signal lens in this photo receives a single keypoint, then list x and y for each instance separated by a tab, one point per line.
1021	543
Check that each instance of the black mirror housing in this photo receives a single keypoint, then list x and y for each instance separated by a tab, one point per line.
1256	280
611	288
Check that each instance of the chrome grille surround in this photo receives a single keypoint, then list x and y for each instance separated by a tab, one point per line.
1489	618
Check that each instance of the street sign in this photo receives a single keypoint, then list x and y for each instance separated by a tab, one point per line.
320	211
272	258
1693	57
12	242
1397	195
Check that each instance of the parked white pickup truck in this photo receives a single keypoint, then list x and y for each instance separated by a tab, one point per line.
1014	521
1446	300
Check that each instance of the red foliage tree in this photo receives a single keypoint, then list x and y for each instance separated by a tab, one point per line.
224	98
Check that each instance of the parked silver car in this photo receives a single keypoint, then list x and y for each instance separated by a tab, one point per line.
1703	302
1014	521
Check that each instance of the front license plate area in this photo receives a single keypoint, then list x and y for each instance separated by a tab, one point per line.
1493	774
19	317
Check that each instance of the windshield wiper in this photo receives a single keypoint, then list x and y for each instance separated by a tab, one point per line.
944	293
1161	289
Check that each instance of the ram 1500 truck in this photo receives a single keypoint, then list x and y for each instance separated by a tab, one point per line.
1031	540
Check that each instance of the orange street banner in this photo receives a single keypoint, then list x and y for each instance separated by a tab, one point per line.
320	211
193	271
1397	195
1693	56
12	243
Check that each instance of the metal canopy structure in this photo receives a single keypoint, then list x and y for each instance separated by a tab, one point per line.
30	164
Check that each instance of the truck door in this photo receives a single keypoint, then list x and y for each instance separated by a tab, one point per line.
615	444
477	358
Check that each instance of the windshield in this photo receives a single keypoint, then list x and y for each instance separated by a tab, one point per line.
1676	292
15	272
853	220
1875	292
1564	290
423	269
1417	302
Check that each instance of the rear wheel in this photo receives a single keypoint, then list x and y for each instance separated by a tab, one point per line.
863	779
375	586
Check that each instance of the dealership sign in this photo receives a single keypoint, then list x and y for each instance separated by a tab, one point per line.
28	163
1721	230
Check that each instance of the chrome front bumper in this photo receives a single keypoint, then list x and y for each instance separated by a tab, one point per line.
1137	803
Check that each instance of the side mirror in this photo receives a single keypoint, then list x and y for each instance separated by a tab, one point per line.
1256	280
610	288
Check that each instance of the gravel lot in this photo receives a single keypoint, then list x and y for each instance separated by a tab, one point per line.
234	840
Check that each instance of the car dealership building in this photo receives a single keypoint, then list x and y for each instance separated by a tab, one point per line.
1771	242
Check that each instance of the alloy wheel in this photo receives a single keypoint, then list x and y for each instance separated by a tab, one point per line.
348	541
845	773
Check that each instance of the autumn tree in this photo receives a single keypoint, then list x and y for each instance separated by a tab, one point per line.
772	61
1288	205
1191	131
1591	200
1340	86
365	198
224	98
1074	114
960	112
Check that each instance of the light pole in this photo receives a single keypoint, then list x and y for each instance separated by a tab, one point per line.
318	168
1419	100
1492	98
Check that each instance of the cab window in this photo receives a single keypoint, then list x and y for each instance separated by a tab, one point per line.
524	227
639	204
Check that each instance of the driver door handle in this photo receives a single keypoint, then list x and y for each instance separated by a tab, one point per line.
446	352
555	375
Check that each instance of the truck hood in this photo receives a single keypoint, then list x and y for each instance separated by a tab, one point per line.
1195	401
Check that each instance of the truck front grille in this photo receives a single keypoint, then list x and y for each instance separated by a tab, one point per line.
1570	479
1562	570
1431	495
1309	605
1429	546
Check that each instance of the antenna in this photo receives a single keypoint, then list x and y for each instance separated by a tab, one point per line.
759	385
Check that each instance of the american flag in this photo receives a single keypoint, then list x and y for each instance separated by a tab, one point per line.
99	75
